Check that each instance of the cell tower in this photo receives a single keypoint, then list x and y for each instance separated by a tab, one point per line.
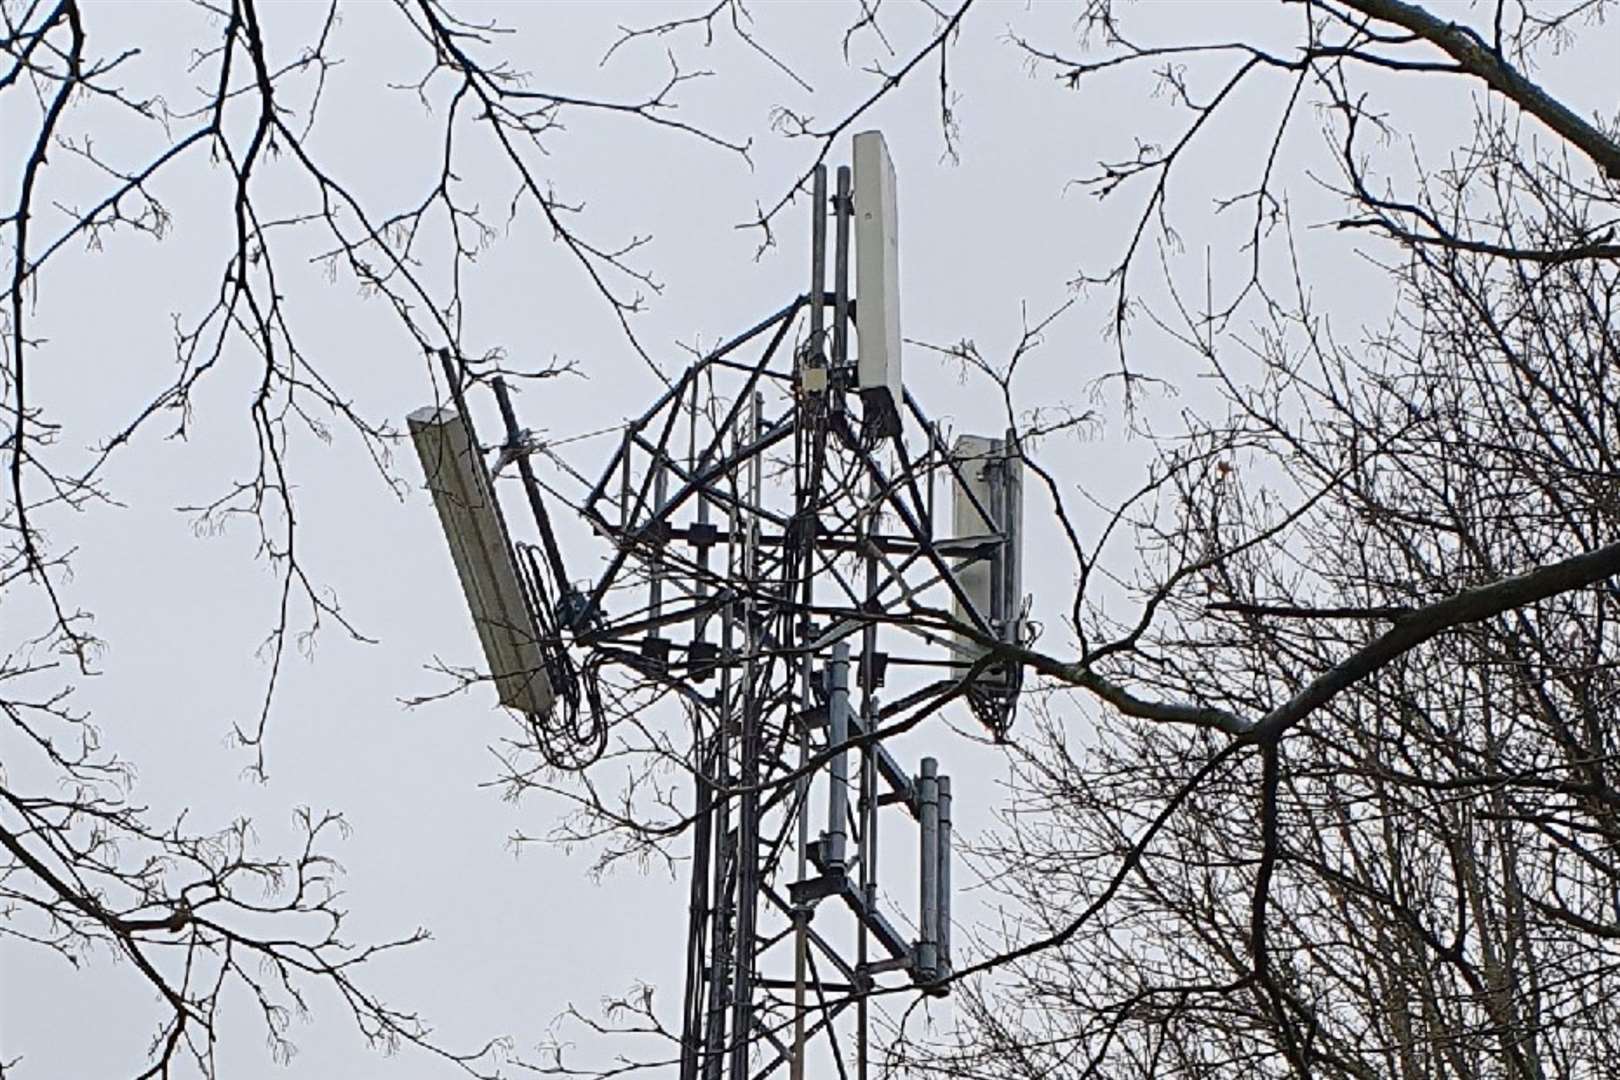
778	561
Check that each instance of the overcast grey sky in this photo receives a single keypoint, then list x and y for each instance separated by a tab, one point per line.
516	939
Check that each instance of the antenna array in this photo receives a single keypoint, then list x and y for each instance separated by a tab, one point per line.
775	521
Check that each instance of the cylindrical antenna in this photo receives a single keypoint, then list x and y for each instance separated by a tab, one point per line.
935	449
943	884
928	906
655	587
1012	505
818	266
993	464
624	478
700	620
837	736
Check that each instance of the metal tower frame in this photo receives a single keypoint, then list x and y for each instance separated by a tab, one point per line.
779	562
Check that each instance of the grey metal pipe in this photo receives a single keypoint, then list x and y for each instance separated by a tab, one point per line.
655	588
841	218
928	907
1012	528
992	463
943	929
624	477
818	265
838	768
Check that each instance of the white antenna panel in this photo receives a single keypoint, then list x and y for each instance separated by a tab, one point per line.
877	269
988	503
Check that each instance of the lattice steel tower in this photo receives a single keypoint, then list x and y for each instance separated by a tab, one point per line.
779	561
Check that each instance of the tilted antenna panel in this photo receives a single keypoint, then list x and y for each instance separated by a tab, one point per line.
489	574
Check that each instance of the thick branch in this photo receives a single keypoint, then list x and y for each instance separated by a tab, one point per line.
1410	631
1477	58
1468	606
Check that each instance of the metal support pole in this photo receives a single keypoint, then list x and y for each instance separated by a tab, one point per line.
801	948
942	928
869	794
818	266
697	921
841	215
728	870
701	579
628	446
531	487
807	479
742	1016
655	565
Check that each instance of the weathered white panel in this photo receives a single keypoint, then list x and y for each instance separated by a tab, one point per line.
489	575
877	268
996	482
